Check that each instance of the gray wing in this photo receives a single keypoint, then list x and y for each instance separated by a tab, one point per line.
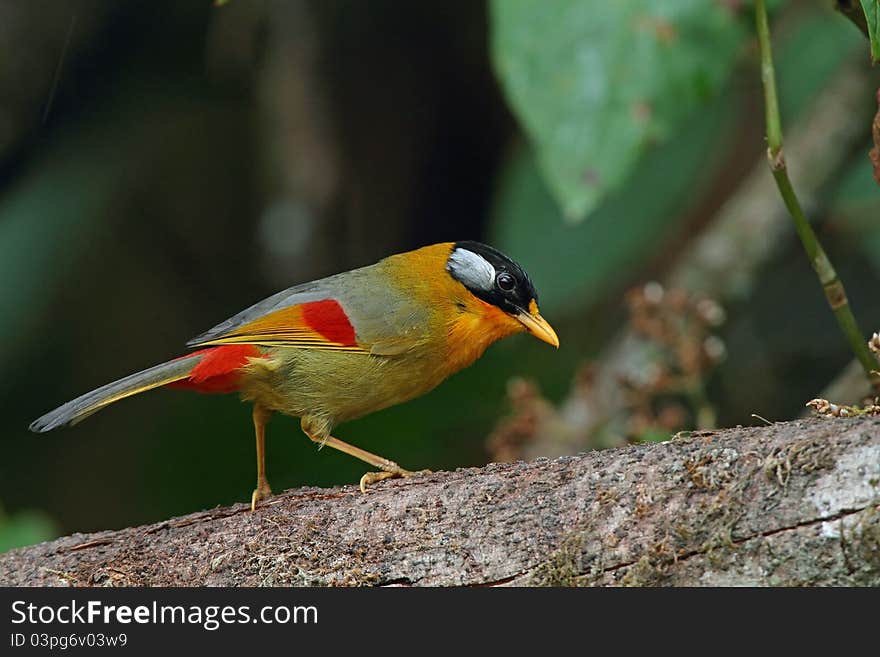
385	320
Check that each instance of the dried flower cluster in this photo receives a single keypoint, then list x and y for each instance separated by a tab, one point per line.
677	329
506	441
826	408
671	352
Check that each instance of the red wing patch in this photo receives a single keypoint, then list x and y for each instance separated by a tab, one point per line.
218	371
329	320
312	325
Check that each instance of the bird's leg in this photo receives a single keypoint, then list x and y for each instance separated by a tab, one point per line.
389	468
262	491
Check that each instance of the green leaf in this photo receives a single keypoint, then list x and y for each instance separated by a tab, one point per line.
594	83
825	41
573	265
872	15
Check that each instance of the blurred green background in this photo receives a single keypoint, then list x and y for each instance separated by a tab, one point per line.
164	164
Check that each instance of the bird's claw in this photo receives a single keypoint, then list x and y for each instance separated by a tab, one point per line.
261	492
373	477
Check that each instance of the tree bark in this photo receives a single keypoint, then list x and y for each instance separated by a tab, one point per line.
793	503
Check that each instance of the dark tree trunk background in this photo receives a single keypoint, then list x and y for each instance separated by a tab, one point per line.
794	503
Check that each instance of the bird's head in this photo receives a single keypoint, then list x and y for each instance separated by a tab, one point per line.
495	279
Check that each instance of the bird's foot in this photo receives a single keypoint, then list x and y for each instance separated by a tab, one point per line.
373	477
261	492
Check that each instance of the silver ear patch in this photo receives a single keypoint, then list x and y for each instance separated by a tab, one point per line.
473	270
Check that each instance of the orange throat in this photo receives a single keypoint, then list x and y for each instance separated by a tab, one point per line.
474	329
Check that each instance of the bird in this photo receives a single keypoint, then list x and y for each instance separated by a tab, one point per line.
341	347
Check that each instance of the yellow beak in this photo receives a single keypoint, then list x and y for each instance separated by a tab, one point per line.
538	326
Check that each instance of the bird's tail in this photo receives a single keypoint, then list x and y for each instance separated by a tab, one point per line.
92	402
216	369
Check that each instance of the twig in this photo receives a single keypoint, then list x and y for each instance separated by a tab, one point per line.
831	284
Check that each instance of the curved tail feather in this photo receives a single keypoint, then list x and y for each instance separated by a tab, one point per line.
92	402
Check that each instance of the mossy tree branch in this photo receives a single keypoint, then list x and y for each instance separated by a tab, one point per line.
835	293
794	503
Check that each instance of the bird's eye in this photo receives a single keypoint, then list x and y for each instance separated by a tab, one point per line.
505	281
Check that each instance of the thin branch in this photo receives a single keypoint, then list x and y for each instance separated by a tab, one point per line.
831	284
768	79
